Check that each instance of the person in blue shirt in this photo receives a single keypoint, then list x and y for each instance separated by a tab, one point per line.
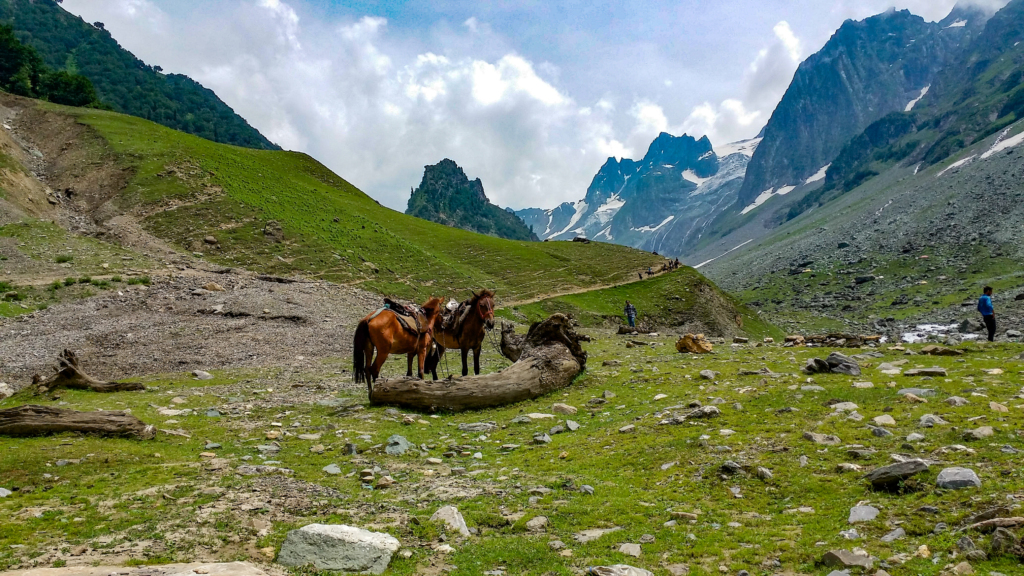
988	313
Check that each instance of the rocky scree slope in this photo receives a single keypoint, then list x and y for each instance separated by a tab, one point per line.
447	196
661	203
127	84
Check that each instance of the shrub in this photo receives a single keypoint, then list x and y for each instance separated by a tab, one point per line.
85	280
63	258
144	280
115	279
70	281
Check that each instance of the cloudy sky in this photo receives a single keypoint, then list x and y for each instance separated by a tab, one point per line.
531	96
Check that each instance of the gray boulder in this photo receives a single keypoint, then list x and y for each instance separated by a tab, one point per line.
957	478
823	439
338	547
862	514
452	518
1003	541
846	559
893	474
397	445
842	364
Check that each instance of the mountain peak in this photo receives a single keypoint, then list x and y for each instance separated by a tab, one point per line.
447	196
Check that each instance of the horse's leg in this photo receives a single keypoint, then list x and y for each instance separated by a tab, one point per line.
465	361
476	360
408	372
421	356
383	349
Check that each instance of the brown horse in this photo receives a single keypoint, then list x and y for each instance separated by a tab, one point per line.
383	331
466	332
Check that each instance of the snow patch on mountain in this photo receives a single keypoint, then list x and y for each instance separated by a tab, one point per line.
912	103
656	228
958	24
691	176
745	147
581	209
819	175
1002	144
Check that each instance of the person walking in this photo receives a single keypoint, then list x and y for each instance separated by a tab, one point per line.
630	314
988	313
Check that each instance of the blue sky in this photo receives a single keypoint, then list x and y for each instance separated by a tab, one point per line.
529	96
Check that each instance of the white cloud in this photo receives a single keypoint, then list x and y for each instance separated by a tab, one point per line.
931	10
764	84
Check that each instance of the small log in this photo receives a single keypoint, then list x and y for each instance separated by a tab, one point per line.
69	375
990	525
33	420
549	358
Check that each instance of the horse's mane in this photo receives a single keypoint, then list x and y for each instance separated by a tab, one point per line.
432	307
485	293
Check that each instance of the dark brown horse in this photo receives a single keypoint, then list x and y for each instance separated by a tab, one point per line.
384	332
466	332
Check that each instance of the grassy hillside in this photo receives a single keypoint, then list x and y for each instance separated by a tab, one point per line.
683	299
187	189
129	85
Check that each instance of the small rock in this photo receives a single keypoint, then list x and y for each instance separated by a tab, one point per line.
915	437
934	372
708	374
564	409
997	407
332	469
884	420
979	433
957	478
630	550
892	474
957	401
537	523
931	420
1003	542
450	516
823	439
846	559
862	514
397	445
629	428
199	374
895	535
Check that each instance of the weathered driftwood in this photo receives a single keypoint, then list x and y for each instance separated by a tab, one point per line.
68	374
990	525
548	358
32	420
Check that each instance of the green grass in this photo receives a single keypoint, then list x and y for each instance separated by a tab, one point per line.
675	299
331	230
124	490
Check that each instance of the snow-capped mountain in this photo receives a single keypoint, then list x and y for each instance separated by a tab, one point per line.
661	203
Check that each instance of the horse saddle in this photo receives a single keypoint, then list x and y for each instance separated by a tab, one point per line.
410	317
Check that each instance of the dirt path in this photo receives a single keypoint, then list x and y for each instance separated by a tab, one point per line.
551	295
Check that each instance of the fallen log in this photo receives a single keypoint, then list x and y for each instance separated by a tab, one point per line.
68	374
33	420
548	358
990	525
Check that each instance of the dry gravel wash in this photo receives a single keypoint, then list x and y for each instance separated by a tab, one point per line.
175	325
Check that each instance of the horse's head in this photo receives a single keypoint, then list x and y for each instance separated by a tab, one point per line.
432	308
483	304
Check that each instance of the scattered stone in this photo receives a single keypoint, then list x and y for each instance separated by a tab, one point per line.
564	409
931	420
398	445
630	550
522	420
694	344
4	492
708	374
262	470
764	473
479	427
593	534
338	547
627	429
933	350
200	375
214	287
880	432
884	420
618	570
541	439
1003	542
572	426
823	439
847	559
934	372
956	478
979	433
922	392
450	517
887	476
844	407
537	524
895	535
845	467
332	469
957	401
842	364
997	407
915	437
862	514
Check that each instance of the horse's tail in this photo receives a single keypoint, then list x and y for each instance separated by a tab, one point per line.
359	341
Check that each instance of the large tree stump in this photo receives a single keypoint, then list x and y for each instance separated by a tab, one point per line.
32	420
69	375
548	358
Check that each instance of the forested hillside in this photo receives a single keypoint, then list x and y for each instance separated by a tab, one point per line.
127	84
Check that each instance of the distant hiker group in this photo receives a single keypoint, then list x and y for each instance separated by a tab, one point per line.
421	332
666	267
